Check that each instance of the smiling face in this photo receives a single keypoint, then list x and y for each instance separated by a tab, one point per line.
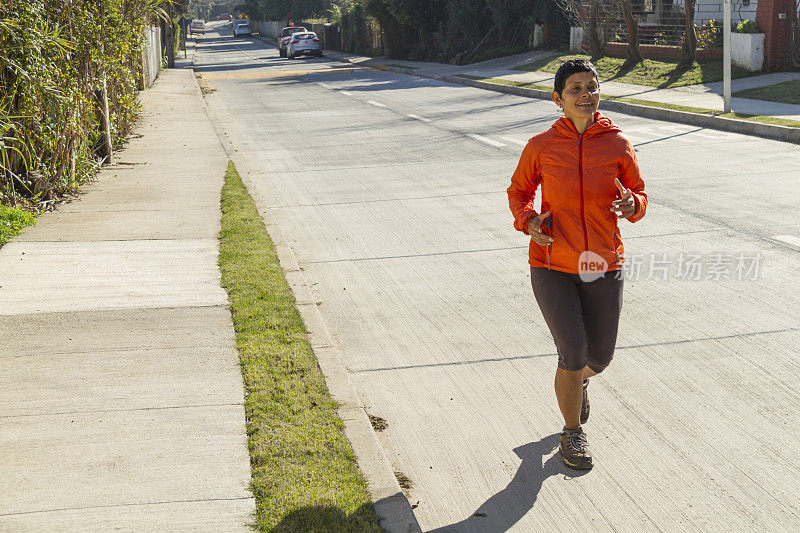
580	97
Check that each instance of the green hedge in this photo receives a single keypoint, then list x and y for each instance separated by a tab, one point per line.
51	70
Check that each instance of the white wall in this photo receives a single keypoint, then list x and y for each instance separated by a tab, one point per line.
576	39
270	29
747	50
706	10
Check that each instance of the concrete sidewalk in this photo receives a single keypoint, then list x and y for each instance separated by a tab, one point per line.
121	399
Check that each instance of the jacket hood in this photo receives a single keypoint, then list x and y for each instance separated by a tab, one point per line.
602	124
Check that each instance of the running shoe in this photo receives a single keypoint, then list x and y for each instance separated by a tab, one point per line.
575	449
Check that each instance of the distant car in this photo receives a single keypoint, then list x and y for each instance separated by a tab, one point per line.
224	16
285	37
241	27
304	44
198	26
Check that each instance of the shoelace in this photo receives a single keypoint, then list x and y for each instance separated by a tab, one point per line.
578	442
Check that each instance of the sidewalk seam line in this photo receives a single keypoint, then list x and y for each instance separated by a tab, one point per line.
131	410
142	504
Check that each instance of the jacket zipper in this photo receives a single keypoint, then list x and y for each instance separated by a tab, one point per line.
580	177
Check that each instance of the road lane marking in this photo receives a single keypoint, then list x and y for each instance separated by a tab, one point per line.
417	117
325	85
376	104
346	93
275	73
699	131
486	140
678	128
513	140
789	239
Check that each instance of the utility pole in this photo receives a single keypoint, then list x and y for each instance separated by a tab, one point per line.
726	56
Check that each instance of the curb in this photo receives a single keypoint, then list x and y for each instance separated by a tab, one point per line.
757	129
388	500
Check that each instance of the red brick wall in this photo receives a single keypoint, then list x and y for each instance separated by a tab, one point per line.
775	45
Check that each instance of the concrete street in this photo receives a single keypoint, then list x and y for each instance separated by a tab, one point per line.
390	190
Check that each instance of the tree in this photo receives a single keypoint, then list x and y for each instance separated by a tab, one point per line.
278	9
410	26
597	44
689	49
632	25
595	19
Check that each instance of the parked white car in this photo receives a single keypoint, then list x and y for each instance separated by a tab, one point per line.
241	27
286	36
197	26
304	44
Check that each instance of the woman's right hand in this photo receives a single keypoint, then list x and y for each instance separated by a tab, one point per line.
535	229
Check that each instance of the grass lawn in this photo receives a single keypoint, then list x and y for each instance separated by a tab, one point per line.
304	473
12	220
652	73
501	81
740	116
787	92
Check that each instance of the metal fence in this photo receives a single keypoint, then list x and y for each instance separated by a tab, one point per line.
661	22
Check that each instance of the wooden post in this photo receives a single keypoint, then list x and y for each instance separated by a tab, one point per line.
106	115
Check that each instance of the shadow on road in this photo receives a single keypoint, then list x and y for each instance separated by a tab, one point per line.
507	507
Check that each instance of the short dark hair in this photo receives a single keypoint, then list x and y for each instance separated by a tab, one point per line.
570	67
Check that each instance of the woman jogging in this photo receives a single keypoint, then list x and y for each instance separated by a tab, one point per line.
589	177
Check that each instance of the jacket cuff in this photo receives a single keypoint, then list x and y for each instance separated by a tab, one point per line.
636	215
526	217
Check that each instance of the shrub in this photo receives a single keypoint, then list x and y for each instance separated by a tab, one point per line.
747	26
54	55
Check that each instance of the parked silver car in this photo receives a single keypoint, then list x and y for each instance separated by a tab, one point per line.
286	36
241	27
197	26
303	44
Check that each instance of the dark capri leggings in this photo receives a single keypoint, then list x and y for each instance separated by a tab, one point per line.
583	317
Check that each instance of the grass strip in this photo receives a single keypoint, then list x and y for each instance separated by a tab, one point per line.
787	92
304	473
661	74
12	220
501	81
397	65
763	119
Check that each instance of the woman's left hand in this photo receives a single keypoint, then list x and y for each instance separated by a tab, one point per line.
626	205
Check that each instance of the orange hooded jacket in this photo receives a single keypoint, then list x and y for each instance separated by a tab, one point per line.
576	173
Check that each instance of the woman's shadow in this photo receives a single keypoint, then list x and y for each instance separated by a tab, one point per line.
508	506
